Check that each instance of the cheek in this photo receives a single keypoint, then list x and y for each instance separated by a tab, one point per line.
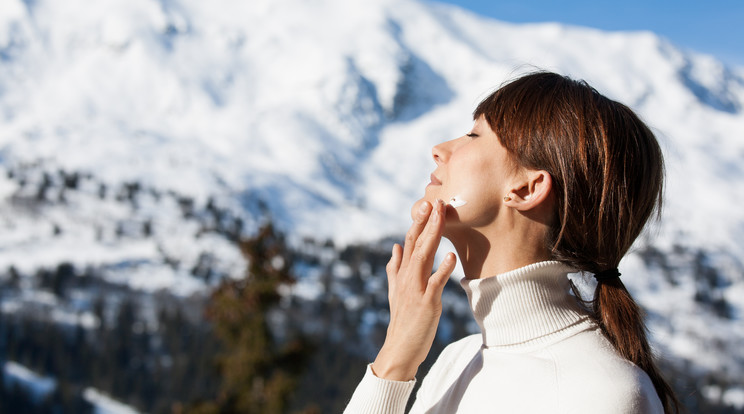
481	191
474	184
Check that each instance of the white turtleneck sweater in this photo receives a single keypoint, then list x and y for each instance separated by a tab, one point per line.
538	352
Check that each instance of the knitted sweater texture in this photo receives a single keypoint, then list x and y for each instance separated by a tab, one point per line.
538	352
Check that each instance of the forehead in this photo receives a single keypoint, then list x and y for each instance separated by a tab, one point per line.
496	149
481	127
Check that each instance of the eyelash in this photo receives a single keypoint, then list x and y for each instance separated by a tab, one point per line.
472	135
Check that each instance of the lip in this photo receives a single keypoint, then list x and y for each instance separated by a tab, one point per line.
434	180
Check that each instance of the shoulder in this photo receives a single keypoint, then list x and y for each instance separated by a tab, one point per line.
592	374
458	353
469	343
450	363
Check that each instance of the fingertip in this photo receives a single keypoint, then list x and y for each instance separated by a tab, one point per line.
442	275
448	264
423	209
397	251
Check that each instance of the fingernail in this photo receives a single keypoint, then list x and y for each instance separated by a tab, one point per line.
424	207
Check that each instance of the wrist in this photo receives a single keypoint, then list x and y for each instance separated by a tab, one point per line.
394	369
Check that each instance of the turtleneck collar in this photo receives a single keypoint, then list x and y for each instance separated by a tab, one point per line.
530	305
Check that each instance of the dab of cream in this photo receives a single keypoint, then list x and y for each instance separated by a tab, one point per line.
456	201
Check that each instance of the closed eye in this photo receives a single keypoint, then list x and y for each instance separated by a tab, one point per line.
472	135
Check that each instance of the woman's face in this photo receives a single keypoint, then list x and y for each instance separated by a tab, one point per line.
477	169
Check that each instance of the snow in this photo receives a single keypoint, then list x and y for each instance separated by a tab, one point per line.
103	404
734	397
325	113
38	386
182	97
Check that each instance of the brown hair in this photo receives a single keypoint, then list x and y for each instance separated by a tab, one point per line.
608	173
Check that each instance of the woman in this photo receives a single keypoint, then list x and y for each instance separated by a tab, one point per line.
556	179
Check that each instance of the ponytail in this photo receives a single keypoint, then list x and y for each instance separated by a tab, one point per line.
621	320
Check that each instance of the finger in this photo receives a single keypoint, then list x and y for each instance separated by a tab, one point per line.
439	279
391	269
428	241
414	231
393	265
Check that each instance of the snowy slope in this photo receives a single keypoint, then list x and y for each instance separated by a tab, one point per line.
312	106
321	100
323	112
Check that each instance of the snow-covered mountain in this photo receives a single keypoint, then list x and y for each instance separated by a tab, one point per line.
132	130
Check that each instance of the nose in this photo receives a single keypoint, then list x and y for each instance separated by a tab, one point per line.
440	153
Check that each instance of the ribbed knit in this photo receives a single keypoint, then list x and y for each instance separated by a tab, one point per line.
538	352
375	395
529	304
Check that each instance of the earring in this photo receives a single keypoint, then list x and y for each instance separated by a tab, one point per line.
507	198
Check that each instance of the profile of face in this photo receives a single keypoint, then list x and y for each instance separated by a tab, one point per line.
477	169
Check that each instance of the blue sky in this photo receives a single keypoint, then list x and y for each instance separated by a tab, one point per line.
714	27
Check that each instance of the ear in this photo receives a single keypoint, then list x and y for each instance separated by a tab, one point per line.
532	190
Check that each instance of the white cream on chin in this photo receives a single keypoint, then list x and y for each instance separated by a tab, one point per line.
456	201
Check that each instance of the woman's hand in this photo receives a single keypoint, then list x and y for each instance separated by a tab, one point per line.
415	296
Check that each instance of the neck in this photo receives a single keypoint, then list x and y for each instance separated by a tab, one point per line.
485	253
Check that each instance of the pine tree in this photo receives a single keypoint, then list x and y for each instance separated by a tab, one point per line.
259	372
